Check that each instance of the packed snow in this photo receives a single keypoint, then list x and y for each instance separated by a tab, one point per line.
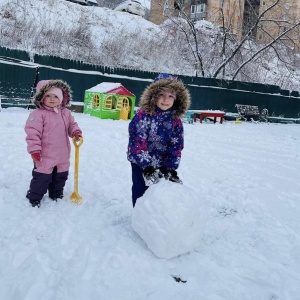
104	87
245	178
170	218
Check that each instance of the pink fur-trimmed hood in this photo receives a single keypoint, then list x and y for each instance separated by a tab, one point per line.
44	86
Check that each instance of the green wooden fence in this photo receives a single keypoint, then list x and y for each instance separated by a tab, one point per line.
19	71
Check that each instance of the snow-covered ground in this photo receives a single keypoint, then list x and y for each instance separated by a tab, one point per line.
247	179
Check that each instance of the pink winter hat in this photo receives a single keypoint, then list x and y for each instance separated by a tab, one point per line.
57	92
41	84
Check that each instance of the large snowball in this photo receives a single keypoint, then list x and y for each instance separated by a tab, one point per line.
169	217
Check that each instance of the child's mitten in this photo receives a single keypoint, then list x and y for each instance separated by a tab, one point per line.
36	156
151	176
77	135
164	173
174	177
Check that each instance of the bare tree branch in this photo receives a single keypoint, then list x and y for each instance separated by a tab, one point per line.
264	48
245	38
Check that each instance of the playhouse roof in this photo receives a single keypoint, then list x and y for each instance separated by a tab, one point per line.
111	88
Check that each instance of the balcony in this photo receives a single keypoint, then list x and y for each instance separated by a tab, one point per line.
196	16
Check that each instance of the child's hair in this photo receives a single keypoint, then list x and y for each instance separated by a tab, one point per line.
44	86
164	82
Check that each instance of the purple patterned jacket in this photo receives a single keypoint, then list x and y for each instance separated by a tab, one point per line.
155	139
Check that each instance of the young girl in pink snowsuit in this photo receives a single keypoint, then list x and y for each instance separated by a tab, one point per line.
48	129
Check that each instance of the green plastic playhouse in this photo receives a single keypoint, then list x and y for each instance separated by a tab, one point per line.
109	100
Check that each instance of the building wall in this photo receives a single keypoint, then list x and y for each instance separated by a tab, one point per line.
287	11
156	12
227	14
224	13
236	16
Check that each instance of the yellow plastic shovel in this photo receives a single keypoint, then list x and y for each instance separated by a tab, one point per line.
75	197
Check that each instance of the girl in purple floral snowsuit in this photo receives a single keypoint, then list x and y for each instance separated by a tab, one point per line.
156	134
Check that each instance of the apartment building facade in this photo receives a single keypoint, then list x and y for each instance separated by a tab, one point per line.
235	16
278	20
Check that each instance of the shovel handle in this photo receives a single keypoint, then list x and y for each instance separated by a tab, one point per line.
77	144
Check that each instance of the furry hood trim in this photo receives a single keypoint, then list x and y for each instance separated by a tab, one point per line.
151	93
66	90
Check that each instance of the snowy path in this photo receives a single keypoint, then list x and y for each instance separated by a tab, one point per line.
247	174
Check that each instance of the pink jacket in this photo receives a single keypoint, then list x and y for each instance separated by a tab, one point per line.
48	132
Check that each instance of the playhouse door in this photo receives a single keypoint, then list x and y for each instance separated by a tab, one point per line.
123	105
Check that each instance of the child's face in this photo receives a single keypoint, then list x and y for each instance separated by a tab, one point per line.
165	100
51	100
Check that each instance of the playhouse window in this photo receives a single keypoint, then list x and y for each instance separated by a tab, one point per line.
123	103
96	101
109	102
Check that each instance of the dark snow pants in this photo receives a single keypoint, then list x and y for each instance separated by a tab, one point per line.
138	183
40	183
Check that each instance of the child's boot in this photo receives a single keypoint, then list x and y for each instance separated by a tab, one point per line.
33	202
54	198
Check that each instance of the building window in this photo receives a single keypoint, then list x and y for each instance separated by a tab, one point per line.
198	11
285	17
286	5
193	9
264	3
200	8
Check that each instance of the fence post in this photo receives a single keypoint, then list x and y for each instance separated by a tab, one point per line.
36	78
